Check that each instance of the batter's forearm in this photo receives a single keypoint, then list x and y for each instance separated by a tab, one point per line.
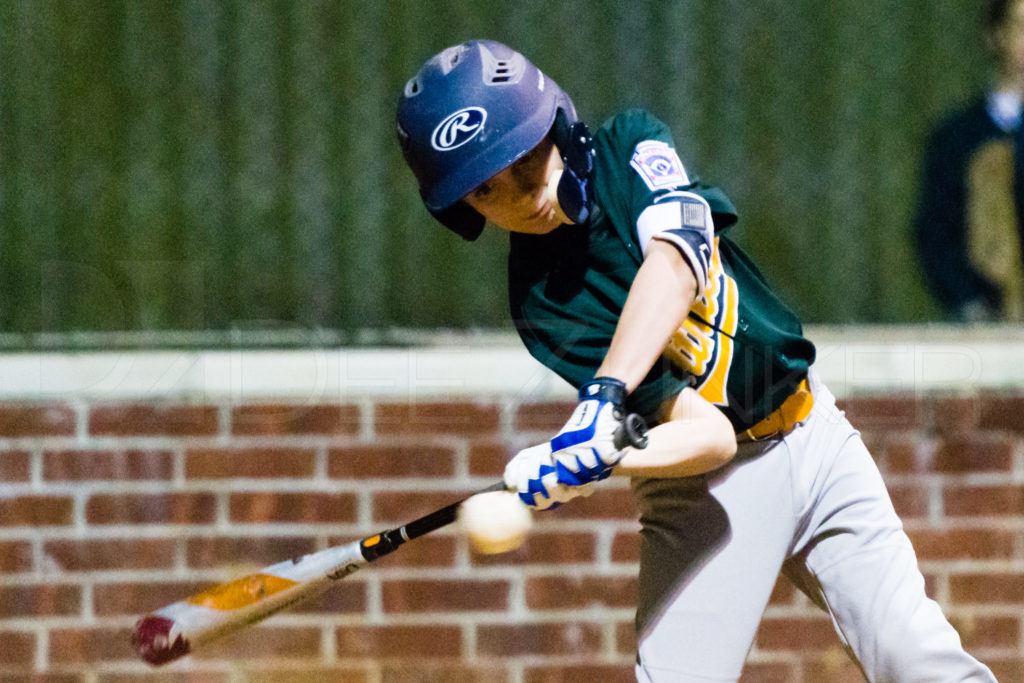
659	299
696	438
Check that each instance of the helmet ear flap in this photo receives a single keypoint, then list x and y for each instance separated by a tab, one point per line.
576	148
460	218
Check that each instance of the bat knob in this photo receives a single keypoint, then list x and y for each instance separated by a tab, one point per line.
632	432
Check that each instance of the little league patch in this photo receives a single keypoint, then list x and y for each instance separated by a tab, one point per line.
658	165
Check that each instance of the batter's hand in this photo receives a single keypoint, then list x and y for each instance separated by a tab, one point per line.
533	475
585	450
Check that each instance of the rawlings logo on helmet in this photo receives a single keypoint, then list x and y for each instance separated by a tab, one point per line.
457	129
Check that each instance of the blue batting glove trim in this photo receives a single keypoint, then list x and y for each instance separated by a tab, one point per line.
536	486
583	475
567	439
567	476
529	501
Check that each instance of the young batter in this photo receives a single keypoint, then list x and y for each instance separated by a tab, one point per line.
621	281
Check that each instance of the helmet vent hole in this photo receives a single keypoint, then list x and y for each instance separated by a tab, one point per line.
450	57
502	71
412	87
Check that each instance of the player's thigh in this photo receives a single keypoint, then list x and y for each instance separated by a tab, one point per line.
711	549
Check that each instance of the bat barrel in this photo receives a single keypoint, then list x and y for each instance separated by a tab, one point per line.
176	630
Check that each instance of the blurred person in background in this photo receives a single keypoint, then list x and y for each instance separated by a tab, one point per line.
967	229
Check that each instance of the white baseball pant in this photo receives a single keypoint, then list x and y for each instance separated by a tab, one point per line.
814	505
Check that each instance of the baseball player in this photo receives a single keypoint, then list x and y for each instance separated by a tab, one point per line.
622	282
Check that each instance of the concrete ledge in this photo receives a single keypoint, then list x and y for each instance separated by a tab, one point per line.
852	360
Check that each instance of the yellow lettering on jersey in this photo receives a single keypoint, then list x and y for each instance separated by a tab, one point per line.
703	349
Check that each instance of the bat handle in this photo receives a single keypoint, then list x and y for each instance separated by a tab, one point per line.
632	432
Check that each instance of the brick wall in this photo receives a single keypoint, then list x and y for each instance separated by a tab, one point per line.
109	509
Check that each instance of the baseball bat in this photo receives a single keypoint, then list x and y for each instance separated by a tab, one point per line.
175	630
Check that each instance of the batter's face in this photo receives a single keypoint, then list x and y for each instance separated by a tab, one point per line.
522	197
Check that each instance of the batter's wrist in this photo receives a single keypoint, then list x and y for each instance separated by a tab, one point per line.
605	389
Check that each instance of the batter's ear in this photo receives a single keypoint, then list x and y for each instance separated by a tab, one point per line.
462	219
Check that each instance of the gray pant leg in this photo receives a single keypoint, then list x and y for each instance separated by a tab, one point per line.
853	557
711	549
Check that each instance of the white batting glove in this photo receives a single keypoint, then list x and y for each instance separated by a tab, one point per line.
585	451
533	475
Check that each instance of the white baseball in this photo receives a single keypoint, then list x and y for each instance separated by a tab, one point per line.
494	522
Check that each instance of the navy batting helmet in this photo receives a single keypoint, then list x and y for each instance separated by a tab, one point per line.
469	112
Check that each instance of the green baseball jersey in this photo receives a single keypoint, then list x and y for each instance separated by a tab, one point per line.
740	346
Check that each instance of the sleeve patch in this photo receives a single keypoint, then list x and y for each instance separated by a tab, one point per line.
686	223
693	215
658	165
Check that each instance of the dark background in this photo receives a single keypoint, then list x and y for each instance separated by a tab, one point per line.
219	165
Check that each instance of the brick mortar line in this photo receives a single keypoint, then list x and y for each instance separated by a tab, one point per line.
126	666
88	602
81	412
374	612
158	531
228	571
808	608
463	561
1009	522
42	649
527	661
610	640
759	656
936	501
180	558
967	567
978	479
328	644
364	508
35	468
517	599
468	640
224	421
222	511
320	466
367	419
498	573
311	484
125	442
79	514
461	466
1018	461
146	532
985	610
605	539
178	475
994	653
